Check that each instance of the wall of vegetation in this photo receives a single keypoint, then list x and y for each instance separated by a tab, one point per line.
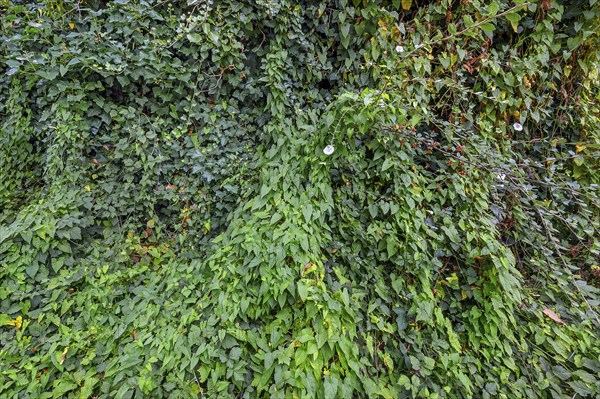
170	226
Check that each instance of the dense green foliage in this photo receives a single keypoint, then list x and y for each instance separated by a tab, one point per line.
170	225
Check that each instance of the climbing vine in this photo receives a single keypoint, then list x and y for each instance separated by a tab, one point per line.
327	199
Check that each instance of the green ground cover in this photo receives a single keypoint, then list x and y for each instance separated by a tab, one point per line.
311	199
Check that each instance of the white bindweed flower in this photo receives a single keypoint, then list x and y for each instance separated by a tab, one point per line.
517	126
400	49
328	150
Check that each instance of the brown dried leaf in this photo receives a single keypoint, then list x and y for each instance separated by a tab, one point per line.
553	316
546	4
306	267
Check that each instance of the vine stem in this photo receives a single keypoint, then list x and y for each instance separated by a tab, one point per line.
483	21
455	35
551	238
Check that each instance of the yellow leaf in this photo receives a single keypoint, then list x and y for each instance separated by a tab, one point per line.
579	148
63	356
17	323
382	25
88	188
320	12
71	25
567	70
406	4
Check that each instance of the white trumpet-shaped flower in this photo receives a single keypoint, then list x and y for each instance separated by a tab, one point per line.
328	150
517	126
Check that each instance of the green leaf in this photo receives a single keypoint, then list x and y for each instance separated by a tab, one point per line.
62	388
445	62
561	372
32	269
88	387
464	381
580	388
5	320
392	247
488	27
345	34
388	163
514	19
194	38
331	387
493	8
75	233
585	376
345	297
302	290
235	353
307	211
373	210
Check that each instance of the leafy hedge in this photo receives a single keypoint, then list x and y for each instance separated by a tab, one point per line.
170	225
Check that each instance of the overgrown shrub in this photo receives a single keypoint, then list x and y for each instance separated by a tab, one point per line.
171	226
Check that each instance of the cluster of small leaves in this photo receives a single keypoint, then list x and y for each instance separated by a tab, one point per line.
171	226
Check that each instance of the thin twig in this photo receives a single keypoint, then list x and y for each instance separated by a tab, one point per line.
551	238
